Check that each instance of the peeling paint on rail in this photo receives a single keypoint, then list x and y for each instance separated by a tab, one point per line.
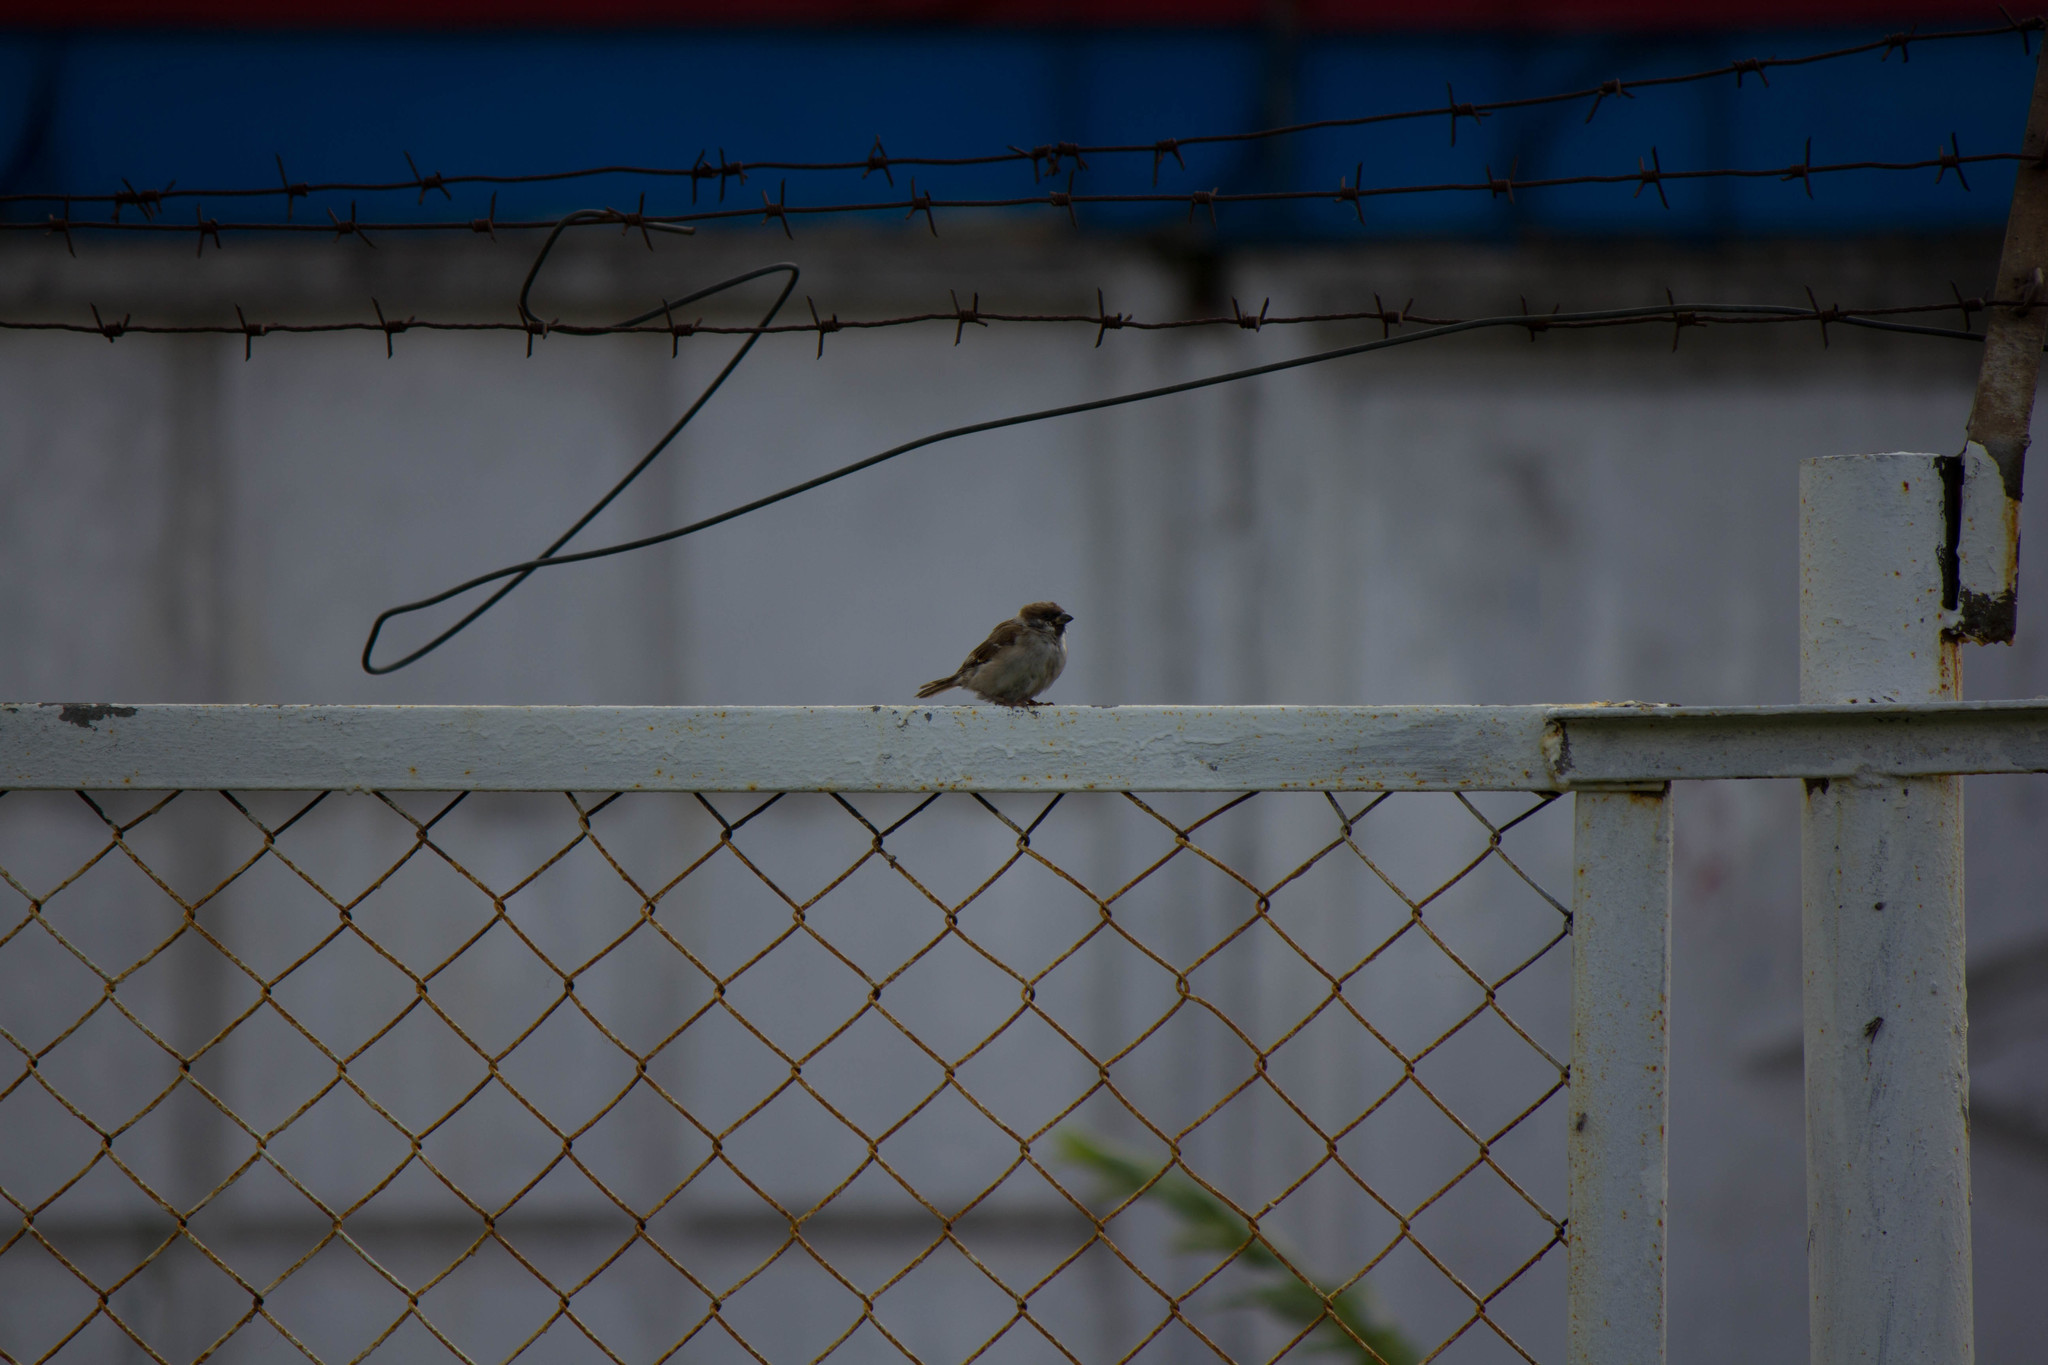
982	748
793	748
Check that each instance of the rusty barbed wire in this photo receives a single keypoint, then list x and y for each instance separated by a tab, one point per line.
1650	174
971	314
1046	160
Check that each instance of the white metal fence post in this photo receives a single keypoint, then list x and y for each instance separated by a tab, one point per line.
1887	1086
1621	981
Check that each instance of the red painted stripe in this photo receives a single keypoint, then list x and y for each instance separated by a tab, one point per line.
1324	15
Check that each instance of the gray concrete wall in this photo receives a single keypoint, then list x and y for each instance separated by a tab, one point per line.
1585	517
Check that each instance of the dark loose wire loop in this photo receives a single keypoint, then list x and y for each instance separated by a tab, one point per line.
549	559
519	573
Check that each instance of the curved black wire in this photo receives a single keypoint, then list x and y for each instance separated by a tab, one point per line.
521	574
1675	313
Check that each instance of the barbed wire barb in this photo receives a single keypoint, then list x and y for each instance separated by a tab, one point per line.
145	201
1387	321
1457	110
1616	88
821	325
390	327
777	211
250	331
1967	306
1652	177
1802	170
1951	160
292	192
109	330
1535	327
2025	30
1104	320
1065	200
921	203
1166	146
1680	319
205	227
1349	193
63	225
963	317
343	229
436	181
878	160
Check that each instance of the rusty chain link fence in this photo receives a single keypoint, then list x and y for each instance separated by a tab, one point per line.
672	1076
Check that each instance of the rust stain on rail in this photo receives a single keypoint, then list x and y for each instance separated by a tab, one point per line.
85	715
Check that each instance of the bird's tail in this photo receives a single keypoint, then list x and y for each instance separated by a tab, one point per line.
936	686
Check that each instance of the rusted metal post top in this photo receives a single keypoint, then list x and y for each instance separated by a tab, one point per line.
1983	541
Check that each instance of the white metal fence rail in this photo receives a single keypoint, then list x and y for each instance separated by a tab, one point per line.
1616	761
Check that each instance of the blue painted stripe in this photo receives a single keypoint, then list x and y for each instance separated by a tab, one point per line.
80	112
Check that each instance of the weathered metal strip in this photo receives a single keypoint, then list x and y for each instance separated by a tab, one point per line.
774	748
1598	746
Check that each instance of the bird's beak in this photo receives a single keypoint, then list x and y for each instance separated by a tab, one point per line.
1065	618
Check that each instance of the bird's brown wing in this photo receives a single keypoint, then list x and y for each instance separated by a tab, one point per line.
1005	634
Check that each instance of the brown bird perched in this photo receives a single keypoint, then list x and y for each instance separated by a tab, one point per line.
1019	659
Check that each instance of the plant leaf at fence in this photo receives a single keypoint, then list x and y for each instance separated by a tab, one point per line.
1342	1321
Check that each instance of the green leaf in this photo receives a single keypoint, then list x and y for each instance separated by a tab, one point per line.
1343	1322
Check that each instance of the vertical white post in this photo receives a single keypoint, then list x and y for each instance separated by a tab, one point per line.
1887	1085
1621	1053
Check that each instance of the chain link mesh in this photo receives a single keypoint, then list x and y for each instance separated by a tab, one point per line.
654	1077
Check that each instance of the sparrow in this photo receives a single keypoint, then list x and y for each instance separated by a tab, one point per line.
1019	659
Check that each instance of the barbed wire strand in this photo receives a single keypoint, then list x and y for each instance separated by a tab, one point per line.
1650	174
1048	156
959	317
1677	314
